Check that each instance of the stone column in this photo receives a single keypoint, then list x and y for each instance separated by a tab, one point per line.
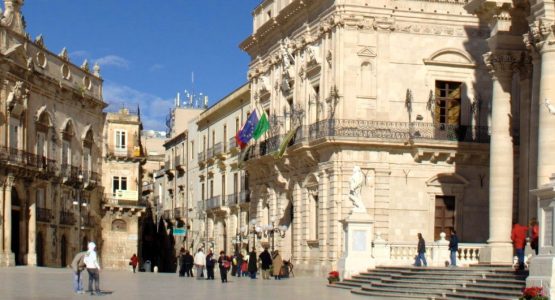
8	254
499	249
32	232
546	138
2	218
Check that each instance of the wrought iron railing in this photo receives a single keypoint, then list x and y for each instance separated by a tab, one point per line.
124	202
67	218
397	131
218	148
19	157
232	143
232	198
210	153
214	202
244	196
44	215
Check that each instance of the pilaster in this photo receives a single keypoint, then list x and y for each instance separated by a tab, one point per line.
9	257
32	232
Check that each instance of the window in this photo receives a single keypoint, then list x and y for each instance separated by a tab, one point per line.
41	203
225	138
119	225
223	187
448	103
119	184
203	194
66	153
192	150
41	144
14	133
236	124
121	139
211	188
235	183
86	160
365	83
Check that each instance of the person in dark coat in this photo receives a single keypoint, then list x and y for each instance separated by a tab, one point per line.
252	264
454	247
189	261
224	262
265	263
237	264
181	259
210	264
421	257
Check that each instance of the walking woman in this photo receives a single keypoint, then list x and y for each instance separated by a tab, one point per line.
224	263
252	264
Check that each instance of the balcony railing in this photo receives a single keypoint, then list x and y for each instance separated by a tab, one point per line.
214	202
210	153
178	162
232	199
47	165
19	157
244	196
398	131
67	218
126	152
70	173
232	143
218	148
44	215
201	156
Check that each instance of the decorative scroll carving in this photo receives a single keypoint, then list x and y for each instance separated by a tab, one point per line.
537	34
500	62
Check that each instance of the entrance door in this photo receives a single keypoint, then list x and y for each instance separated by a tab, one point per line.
63	252
16	241
444	216
40	250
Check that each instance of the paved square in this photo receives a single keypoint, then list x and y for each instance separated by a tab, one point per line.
49	283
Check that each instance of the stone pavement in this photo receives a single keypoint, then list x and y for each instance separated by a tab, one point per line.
21	283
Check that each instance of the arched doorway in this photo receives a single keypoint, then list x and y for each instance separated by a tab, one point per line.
16	227
63	252
40	250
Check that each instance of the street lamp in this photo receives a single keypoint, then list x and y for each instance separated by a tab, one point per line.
254	229
271	229
79	204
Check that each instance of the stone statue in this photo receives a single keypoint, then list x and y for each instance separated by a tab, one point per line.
356	186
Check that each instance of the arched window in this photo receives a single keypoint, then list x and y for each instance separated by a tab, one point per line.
119	225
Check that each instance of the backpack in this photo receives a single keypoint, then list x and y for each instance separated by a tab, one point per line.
226	263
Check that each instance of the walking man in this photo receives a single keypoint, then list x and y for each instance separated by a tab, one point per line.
266	262
78	265
421	257
200	260
518	236
454	247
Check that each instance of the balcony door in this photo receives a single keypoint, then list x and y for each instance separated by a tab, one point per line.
444	216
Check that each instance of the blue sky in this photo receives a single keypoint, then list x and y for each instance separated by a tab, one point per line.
147	49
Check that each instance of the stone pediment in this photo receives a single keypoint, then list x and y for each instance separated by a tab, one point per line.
447	179
450	57
367	52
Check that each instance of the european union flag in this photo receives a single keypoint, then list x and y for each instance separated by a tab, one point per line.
245	135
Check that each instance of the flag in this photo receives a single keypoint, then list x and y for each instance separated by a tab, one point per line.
245	135
262	126
240	143
285	143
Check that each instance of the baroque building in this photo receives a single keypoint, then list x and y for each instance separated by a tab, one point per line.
50	160
440	104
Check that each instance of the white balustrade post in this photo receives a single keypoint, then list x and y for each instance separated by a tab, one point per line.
440	253
381	251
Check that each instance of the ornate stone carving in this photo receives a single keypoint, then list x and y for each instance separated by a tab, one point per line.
39	40
537	34
96	70
355	185
17	99
13	18
85	66
64	55
500	62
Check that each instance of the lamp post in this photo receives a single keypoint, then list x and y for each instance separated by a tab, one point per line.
254	229
79	203
271	229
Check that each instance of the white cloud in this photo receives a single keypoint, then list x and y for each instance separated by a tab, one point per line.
154	109
79	54
156	67
113	61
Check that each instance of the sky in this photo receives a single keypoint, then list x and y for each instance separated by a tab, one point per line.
148	49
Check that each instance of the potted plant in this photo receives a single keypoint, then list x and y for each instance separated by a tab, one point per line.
533	293
333	277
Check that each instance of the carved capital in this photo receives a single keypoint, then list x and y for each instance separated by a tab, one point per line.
501	63
538	34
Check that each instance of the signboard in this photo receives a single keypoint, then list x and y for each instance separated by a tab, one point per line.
179	232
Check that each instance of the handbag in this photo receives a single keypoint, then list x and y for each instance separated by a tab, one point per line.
130	263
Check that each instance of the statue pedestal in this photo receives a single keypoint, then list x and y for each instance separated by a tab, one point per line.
357	253
542	266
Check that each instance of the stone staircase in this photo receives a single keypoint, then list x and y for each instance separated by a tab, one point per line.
475	282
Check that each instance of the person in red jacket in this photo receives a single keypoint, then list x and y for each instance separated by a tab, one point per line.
535	234
518	235
134	260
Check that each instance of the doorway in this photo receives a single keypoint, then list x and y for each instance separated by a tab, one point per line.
40	250
444	216
16	227
63	252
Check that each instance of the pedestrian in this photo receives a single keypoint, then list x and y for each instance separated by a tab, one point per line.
518	236
454	247
181	259
535	235
277	264
238	264
225	264
93	268
134	261
252	267
189	263
78	265
210	264
266	263
245	268
421	256
200	260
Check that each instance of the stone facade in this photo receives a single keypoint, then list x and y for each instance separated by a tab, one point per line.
50	159
123	205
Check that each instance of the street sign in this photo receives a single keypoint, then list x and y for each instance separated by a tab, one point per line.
179	232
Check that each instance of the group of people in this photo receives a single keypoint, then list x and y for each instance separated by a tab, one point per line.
420	258
86	260
519	234
238	264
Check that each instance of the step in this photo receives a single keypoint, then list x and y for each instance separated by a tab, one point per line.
403	285
477	296
412	292
386	295
416	282
436	278
501	281
496	292
496	286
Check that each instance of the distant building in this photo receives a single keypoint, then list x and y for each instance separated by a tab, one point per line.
50	149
